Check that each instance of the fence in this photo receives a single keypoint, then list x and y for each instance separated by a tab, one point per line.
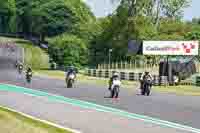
130	66
131	76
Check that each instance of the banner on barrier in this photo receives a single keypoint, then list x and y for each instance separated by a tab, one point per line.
170	47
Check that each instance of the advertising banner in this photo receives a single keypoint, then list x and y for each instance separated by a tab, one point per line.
170	47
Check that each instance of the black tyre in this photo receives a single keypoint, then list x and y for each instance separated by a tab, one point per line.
143	90
112	93
69	84
28	80
148	90
115	92
117	95
20	71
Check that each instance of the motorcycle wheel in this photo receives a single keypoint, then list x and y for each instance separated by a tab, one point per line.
69	84
143	90
148	91
28	80
115	92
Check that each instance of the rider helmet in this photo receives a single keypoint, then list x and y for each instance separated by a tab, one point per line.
116	74
146	72
29	68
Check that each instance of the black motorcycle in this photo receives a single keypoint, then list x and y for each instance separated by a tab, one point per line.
28	77
146	89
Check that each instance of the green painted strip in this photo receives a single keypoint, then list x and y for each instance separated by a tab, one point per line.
100	108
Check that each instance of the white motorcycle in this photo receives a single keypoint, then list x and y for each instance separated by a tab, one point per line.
115	88
70	80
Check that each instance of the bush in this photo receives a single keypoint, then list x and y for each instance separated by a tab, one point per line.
67	50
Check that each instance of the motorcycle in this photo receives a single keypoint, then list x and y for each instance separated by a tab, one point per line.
20	69
70	80
28	77
115	88
146	89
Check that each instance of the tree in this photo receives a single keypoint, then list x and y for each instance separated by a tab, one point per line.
7	15
69	50
174	8
196	21
52	17
155	9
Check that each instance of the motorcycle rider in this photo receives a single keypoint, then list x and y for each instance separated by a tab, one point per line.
29	73
16	64
20	67
145	75
70	71
115	75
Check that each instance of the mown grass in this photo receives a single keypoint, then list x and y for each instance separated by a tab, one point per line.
178	90
11	122
34	55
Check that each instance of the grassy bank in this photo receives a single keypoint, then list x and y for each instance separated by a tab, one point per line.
11	122
34	55
179	90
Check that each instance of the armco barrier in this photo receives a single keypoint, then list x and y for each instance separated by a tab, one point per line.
107	74
156	80
163	80
131	76
126	76
198	80
94	73
99	73
122	75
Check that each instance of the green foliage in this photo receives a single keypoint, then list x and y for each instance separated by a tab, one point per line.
194	35
69	50
7	16
141	28
51	17
7	7
170	29
174	8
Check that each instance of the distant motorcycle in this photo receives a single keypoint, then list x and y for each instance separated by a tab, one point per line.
146	89
115	88
28	77
20	69
70	80
16	65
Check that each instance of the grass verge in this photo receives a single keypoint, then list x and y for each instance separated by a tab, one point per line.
11	122
178	90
